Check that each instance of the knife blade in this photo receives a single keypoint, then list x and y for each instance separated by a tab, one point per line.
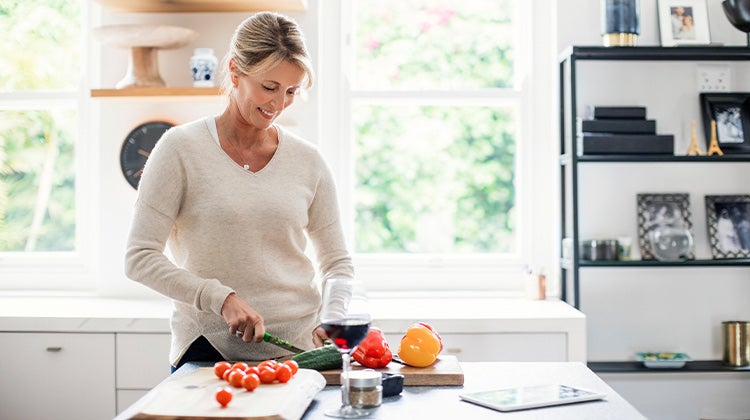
276	341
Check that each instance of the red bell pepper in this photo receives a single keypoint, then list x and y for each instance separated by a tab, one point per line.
373	352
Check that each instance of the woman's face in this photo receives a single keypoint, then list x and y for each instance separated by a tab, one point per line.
262	98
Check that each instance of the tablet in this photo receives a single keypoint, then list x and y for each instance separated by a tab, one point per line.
523	397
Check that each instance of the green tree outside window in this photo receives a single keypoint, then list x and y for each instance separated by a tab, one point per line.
433	178
41	56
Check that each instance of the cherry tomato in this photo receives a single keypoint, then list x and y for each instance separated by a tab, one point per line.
253	369
220	367
223	395
250	381
294	365
235	378
267	375
225	375
283	373
270	363
240	365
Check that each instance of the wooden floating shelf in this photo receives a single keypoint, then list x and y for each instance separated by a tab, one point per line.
155	92
192	6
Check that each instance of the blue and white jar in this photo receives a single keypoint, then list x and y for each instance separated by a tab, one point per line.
203	64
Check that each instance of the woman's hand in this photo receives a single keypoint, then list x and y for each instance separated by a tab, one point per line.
319	335
243	320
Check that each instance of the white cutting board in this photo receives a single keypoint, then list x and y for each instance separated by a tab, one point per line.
192	396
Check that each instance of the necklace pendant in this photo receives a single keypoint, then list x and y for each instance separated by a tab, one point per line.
246	167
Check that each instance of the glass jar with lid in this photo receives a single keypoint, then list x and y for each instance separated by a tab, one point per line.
365	389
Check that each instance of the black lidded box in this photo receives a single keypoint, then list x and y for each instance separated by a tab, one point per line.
621	112
598	143
619	125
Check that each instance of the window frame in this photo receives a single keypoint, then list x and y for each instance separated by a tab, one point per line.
535	192
64	271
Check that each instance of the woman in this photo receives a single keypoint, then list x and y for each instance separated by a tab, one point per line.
235	196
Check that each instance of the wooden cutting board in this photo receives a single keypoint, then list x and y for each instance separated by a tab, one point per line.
192	397
445	371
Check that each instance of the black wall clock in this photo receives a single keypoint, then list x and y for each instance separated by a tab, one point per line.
137	147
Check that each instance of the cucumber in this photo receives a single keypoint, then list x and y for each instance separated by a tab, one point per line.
321	358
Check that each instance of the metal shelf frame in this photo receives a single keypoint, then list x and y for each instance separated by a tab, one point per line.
570	158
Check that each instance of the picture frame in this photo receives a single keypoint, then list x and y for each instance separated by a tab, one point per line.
657	210
683	22
731	111
728	222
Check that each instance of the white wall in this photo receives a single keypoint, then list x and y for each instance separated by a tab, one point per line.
670	93
642	309
578	23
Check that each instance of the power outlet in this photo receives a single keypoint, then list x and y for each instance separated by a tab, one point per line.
713	78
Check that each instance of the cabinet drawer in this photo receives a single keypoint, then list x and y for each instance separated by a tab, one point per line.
142	360
73	374
501	347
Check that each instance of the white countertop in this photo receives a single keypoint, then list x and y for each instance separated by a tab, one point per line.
83	314
454	313
450	313
458	314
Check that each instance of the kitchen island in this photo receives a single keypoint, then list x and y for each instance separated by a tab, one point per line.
422	402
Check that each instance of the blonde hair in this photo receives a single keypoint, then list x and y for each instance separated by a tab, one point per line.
262	42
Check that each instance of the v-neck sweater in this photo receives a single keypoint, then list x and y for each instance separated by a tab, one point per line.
231	230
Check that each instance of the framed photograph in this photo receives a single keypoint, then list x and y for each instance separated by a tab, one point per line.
659	211
731	111
683	22
728	220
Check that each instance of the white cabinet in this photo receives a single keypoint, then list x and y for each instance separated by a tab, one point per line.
57	376
504	347
80	376
142	362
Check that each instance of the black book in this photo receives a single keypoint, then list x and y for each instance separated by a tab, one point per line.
626	112
603	144
619	125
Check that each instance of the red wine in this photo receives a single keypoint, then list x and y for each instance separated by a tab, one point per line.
346	333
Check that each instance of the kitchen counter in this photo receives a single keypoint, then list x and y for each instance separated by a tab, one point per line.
418	402
475	328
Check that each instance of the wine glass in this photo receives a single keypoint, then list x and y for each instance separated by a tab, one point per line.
346	319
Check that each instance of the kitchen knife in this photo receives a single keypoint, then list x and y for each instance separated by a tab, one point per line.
276	341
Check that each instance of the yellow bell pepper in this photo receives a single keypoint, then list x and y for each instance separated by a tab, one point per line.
420	345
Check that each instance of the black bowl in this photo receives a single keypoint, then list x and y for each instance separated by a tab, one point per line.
393	384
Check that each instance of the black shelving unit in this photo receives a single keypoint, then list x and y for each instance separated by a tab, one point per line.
570	157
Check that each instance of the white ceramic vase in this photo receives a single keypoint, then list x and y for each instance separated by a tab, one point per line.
203	65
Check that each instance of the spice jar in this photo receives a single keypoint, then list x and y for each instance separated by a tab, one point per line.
365	389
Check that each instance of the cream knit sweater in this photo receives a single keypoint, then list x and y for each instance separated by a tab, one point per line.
228	230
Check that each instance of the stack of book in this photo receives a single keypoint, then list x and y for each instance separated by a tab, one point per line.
621	130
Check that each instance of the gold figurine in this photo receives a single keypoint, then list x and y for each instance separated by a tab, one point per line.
694	150
713	148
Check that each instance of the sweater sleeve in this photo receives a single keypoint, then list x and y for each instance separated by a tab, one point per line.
326	231
155	212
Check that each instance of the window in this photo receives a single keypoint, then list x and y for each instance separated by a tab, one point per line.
433	98
41	58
